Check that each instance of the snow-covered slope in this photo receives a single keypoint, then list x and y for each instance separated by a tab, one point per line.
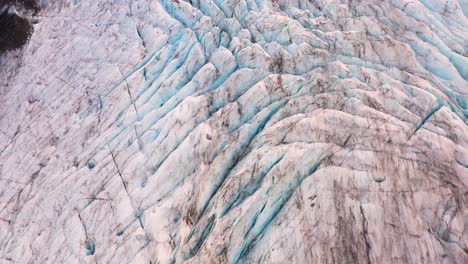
237	131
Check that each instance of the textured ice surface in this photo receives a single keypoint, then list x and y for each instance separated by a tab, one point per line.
244	131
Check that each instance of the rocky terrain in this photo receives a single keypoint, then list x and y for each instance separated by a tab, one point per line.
236	131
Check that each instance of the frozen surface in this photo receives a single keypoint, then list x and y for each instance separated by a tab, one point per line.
237	131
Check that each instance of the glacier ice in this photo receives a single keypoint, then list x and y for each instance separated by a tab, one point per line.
237	131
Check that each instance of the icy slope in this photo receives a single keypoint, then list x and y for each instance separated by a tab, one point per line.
237	131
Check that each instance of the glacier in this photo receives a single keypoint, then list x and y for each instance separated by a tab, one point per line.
236	131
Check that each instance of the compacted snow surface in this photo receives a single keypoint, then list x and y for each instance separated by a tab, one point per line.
237	131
